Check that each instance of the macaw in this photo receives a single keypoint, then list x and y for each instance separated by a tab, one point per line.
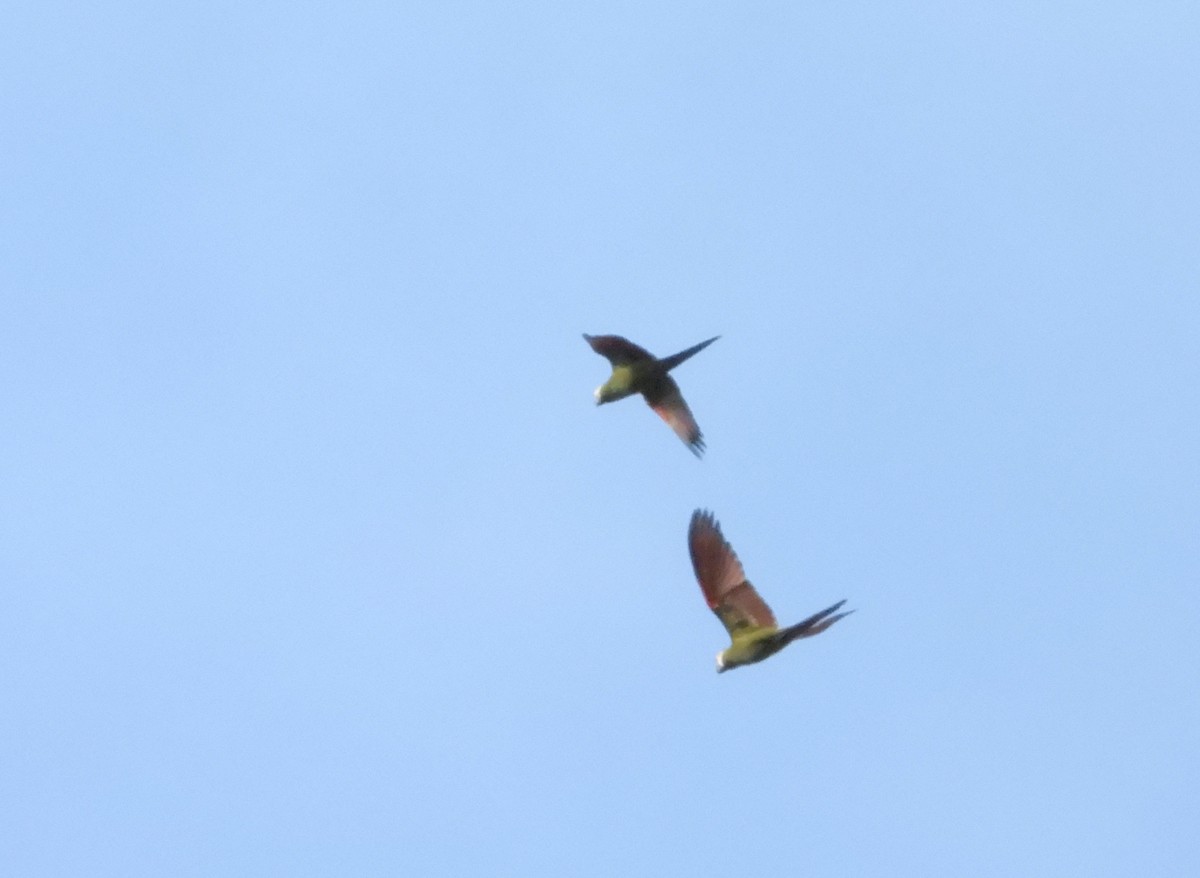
636	370
745	615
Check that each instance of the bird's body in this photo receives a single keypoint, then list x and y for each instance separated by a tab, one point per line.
755	644
625	381
753	632
636	370
751	647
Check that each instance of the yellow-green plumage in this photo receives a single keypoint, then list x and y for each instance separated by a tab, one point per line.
624	381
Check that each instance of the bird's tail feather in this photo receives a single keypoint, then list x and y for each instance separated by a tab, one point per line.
669	363
816	623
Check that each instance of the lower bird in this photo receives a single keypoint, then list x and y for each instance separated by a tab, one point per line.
636	370
745	615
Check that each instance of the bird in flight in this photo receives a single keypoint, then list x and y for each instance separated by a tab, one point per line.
745	615
636	370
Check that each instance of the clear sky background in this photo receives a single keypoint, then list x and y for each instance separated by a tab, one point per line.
318	559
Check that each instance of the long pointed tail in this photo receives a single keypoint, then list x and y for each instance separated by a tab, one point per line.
669	363
815	624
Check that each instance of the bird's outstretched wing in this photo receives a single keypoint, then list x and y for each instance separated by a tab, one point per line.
666	400
617	350
722	579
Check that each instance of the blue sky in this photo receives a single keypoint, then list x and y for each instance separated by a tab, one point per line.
319	559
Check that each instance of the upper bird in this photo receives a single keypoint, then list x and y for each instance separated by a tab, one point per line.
746	616
636	370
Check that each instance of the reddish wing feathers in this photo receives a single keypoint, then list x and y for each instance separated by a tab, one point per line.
668	404
617	350
743	605
721	577
717	566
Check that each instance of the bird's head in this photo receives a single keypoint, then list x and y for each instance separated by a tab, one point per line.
721	666
598	393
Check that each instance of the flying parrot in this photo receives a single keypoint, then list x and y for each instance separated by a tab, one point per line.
636	370
745	615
